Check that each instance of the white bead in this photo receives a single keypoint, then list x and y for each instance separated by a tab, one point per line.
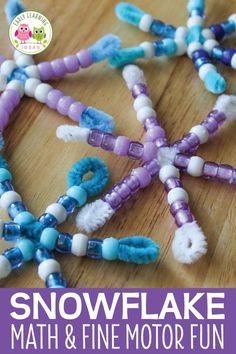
148	48
181	32
48	267
58	211
5	267
233	18
168	171
210	44
30	86
3	82
33	71
201	132
7	67
177	194
181	46
24	60
16	85
233	61
204	70
1	227
16	54
79	245
8	198
193	47
142	101
145	23
208	34
144	113
195	166
41	92
195	21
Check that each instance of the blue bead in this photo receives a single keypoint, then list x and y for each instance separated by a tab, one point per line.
162	30
159	48
48	220
5	187
56	280
218	52
5	175
64	243
14	256
94	249
2	143
218	31
18	74
16	208
228	26
170	47
27	248
11	231
78	193
68	203
42	254
200	53
200	62
24	218
49	237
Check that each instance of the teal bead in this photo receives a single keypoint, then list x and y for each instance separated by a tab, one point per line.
78	193
24	218
27	249
5	175
195	35
170	47
110	249
214	82
49	238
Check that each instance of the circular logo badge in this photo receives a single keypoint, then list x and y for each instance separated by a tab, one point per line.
30	32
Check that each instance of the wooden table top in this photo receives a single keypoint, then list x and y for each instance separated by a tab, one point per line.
40	162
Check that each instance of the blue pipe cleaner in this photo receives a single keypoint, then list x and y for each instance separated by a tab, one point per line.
104	47
12	9
92	118
126	56
129	13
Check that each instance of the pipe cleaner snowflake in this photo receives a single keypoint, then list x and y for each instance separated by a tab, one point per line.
37	238
201	44
161	159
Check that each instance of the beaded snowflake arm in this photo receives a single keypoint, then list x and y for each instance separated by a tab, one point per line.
201	44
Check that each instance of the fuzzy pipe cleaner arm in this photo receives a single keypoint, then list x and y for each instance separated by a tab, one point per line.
12	9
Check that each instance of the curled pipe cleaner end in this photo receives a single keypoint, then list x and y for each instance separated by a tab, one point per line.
227	105
189	243
12	9
104	47
92	118
196	5
214	82
126	56
133	75
94	215
129	13
72	133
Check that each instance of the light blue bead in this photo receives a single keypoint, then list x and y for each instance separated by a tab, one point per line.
49	238
24	218
5	175
78	193
170	47
214	82
27	248
195	35
110	249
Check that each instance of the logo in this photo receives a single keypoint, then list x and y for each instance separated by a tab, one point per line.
30	32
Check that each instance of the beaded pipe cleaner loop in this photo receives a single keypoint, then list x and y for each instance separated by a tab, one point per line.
160	159
201	44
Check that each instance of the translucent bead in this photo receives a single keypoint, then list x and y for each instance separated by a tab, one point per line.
5	187
68	203
135	151
95	137
14	256
94	249
56	280
108	142
64	243
11	231
15	209
48	220
42	254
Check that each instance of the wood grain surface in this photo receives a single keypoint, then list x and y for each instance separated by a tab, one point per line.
40	162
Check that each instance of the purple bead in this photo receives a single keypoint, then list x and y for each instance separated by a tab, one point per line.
135	151
211	124
85	58
53	97
139	89
171	183
95	137
152	167
233	180
225	173
183	217
210	170
71	63
143	176
200	53
218	31
220	117
76	109
108	142
45	70
113	199
178	205
227	56
149	152
182	161
183	145
155	133
192	139
123	190
121	146
4	117
150	123
64	104
10	99
58	67
132	182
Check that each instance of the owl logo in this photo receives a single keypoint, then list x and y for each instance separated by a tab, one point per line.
39	34
23	33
